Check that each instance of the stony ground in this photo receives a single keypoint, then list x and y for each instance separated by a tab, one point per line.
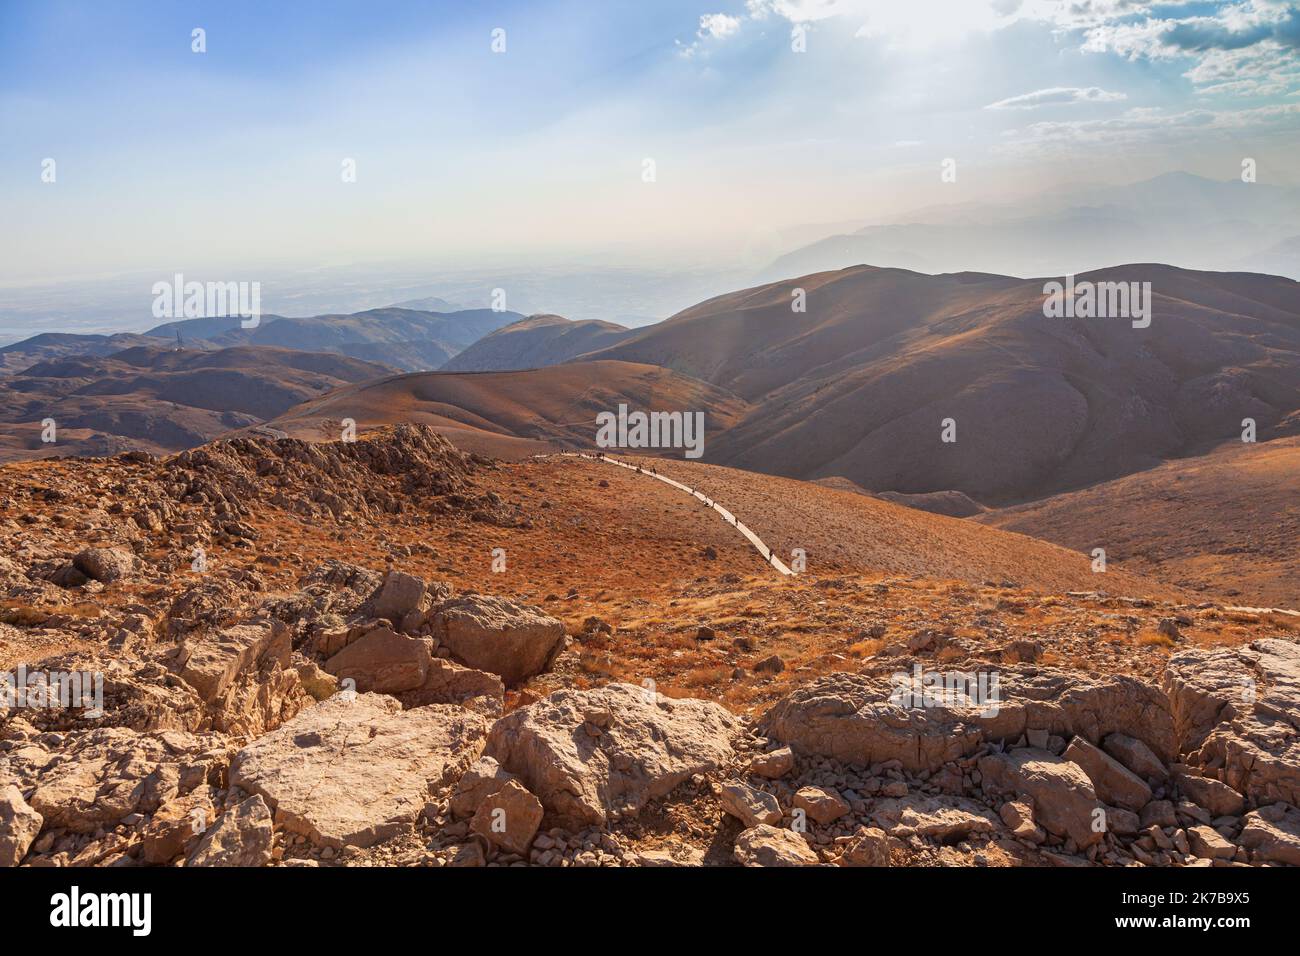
391	653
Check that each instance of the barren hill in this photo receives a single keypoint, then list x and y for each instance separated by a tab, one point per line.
534	342
859	384
156	399
513	413
1227	523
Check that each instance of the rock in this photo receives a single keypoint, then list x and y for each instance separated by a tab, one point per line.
821	805
382	661
176	827
770	665
509	818
468	854
1123	822
774	764
1209	844
1113	782
640	746
1273	834
869	847
1019	818
242	837
1136	756
19	826
449	683
1217	797
1238	710
1159	813
1063	797
210	661
398	595
483	778
946	819
766	845
357	769
105	564
858	718
502	637
677	856
316	682
749	805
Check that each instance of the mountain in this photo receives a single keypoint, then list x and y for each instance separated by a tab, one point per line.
160	400
1176	217
858	384
509	414
1224	523
534	342
407	339
51	346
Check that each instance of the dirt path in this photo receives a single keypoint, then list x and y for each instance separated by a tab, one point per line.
772	560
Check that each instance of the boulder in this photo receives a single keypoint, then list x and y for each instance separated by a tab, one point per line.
766	845
502	637
749	805
868	847
1272	834
447	682
176	827
1238	710
509	818
356	769
19	826
1115	784
382	661
1214	795
821	805
1064	800
397	596
945	819
105	564
588	754
242	837
773	765
483	778
1208	844
1136	756
862	719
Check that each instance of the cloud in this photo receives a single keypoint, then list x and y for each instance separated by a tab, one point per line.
1143	125
718	25
1057	96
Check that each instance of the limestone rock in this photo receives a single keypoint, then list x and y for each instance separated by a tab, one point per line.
773	765
821	805
354	770
509	818
1136	756
382	661
749	805
500	636
1214	795
1063	797
449	683
105	564
398	595
1114	783
858	718
242	837
483	778
1208	844
1272	833
19	826
869	847
589	753
766	845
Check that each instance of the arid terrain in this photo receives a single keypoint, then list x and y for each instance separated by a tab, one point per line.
391	652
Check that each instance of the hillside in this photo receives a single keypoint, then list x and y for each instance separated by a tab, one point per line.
859	384
159	400
534	342
513	413
52	346
1226	523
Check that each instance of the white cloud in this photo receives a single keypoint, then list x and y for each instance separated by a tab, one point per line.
718	25
1057	96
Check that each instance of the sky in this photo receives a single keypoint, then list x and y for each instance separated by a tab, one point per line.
613	132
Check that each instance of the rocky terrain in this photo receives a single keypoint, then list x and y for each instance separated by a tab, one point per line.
392	652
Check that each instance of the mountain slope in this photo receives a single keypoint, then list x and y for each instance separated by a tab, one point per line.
859	384
536	341
513	413
158	400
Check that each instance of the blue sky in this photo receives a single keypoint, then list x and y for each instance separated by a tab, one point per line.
171	159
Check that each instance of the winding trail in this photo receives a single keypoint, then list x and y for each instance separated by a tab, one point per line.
764	551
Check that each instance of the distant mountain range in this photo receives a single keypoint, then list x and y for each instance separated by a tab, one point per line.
1178	218
536	341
